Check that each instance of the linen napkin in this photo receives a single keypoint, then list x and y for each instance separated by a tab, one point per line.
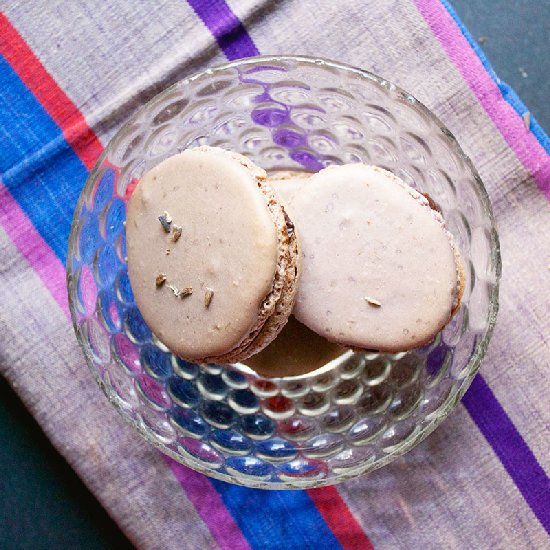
71	73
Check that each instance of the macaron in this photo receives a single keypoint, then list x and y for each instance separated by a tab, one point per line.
213	258
379	269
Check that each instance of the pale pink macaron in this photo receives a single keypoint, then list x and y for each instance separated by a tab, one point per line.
379	269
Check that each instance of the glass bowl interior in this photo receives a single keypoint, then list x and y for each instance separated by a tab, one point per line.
361	410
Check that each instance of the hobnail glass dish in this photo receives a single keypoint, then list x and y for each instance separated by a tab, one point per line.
360	411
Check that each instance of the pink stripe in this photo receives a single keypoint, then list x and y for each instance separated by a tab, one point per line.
510	124
33	247
209	506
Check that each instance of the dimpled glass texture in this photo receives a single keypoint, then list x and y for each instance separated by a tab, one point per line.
363	409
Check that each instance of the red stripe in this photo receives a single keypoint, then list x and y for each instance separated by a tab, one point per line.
60	108
339	519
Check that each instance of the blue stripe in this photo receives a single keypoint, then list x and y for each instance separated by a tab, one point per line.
45	177
277	520
38	166
507	92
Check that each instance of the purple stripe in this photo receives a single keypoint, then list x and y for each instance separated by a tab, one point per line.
226	28
511	449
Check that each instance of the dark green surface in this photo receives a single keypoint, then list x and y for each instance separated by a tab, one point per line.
516	41
43	505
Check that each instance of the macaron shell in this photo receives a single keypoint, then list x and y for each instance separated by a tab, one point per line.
287	184
228	244
379	269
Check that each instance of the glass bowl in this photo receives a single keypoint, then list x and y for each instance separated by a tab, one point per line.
360	411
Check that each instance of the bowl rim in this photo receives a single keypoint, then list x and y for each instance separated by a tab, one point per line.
481	345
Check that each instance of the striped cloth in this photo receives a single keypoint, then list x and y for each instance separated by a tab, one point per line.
70	75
